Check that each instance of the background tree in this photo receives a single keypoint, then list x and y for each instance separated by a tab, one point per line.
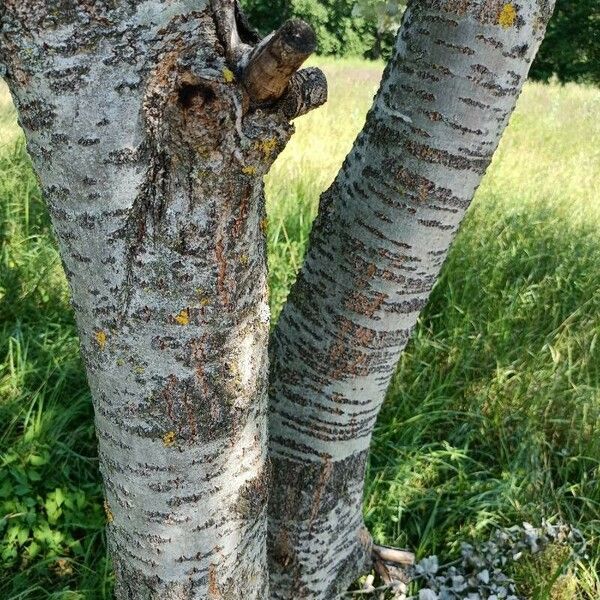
339	30
151	127
386	15
571	49
267	16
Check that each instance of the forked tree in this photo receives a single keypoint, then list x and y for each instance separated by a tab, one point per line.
151	124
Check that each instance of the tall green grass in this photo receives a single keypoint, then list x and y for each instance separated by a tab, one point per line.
51	517
494	414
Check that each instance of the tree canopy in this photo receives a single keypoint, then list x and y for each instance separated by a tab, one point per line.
571	50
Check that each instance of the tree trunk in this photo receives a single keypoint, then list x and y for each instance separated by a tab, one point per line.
151	125
151	154
382	234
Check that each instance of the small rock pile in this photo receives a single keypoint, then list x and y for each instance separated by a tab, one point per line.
479	574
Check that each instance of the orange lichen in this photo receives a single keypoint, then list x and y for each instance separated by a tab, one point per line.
101	339
507	16
109	515
203	298
183	318
169	439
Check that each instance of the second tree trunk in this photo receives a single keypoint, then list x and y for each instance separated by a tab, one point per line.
381	237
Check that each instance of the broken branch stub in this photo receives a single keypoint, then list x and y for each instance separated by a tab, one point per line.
275	60
307	90
271	72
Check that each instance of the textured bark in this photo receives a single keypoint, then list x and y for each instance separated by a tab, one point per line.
382	234
151	160
150	131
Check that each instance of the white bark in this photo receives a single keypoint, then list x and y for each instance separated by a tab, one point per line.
150	131
151	162
383	232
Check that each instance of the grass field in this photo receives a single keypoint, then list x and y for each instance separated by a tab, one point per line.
493	417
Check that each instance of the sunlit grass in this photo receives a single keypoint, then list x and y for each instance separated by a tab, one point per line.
308	165
493	416
8	130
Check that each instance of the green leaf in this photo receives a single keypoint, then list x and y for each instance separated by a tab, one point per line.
19	475
22	490
6	489
42	533
33	549
12	533
22	536
9	553
52	510
37	461
59	496
33	475
9	458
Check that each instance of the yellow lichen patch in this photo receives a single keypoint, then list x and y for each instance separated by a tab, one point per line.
244	260
169	439
203	298
203	152
249	170
101	338
183	318
228	75
507	16
264	225
267	147
109	516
